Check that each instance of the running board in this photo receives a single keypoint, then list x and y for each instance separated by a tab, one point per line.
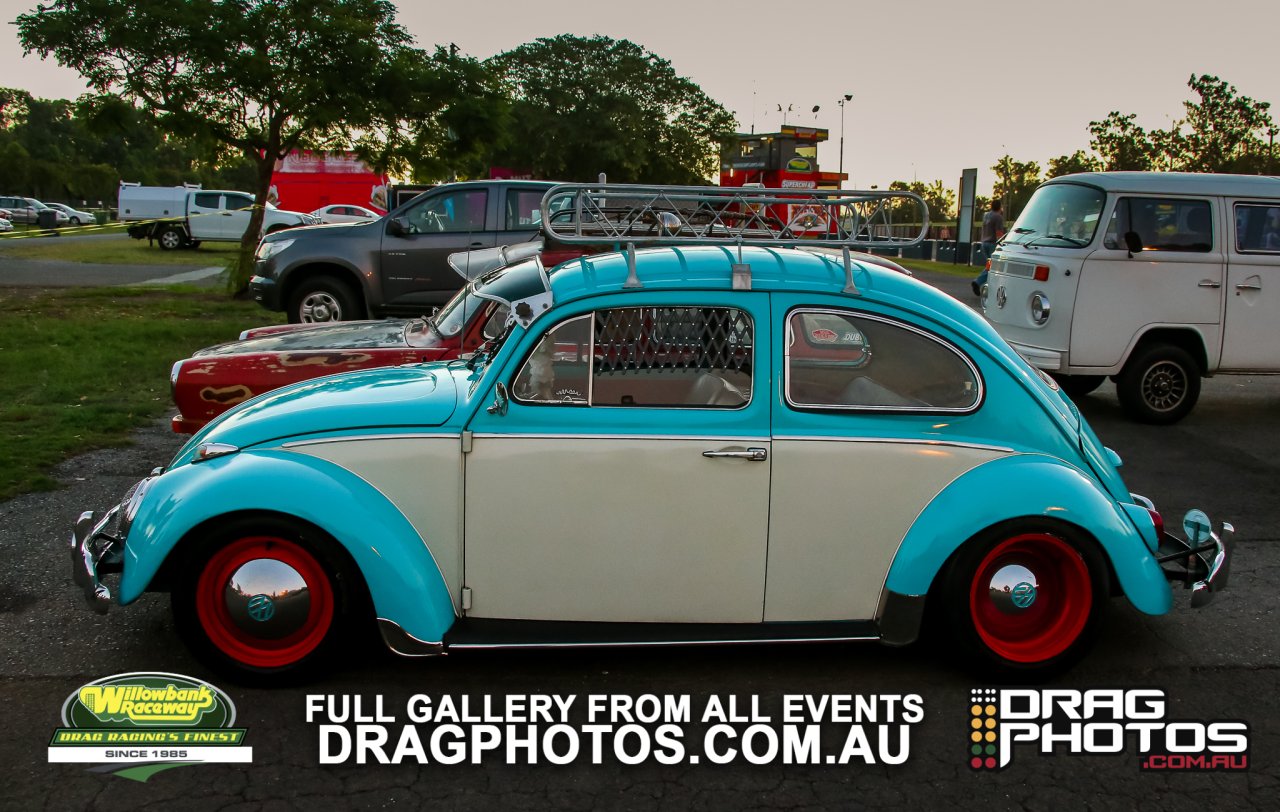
474	633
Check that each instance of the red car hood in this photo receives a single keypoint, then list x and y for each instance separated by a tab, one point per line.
351	335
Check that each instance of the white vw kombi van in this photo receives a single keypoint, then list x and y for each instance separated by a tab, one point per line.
1154	279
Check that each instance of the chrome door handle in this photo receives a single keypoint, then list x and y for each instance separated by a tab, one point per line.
1248	286
1209	283
752	454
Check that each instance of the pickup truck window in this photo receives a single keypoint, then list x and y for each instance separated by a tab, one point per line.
451	212
524	208
208	200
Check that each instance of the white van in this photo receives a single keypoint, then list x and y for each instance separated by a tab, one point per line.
1154	279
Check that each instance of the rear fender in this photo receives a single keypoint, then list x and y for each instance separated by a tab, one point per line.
1027	486
403	579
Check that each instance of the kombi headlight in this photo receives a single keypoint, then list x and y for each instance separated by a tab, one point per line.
1039	307
266	250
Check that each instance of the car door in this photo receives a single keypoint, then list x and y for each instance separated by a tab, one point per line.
415	265
1251	329
1176	279
627	477
206	216
237	209
853	466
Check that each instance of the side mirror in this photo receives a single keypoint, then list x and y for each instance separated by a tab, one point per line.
397	226
1133	242
499	405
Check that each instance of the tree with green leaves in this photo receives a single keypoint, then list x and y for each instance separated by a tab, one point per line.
582	106
1015	181
1222	127
1078	161
258	77
940	200
1123	144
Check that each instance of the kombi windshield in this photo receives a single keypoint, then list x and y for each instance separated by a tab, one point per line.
1062	215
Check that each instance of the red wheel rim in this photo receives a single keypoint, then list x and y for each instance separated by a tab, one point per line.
230	636
1031	619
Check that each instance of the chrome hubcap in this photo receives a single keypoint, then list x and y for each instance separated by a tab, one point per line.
1013	589
268	599
1164	386
320	306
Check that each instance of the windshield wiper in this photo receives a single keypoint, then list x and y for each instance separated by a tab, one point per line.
1076	241
1024	231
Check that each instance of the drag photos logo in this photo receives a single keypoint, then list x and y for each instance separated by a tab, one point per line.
1003	722
140	723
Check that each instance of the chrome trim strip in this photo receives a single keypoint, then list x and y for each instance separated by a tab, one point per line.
405	644
346	438
710	438
896	441
666	643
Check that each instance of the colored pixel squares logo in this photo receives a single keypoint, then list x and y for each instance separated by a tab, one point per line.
983	728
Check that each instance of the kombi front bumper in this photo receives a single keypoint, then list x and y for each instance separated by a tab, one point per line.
1203	566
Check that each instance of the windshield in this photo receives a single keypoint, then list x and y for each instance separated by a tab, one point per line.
1062	215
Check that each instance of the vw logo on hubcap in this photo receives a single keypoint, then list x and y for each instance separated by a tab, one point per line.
261	608
1023	595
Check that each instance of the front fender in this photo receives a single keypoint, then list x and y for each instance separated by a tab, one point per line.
1018	487
404	581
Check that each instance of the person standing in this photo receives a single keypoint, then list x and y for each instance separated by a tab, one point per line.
992	231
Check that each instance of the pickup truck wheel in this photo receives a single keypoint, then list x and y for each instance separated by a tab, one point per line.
1160	384
262	602
171	238
322	299
1025	600
1077	386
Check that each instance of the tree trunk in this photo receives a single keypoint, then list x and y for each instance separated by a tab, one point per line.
242	268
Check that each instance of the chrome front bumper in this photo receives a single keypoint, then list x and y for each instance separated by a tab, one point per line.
95	551
1204	568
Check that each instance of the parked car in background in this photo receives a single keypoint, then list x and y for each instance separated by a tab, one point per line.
1153	279
731	443
184	216
345	213
5	224
27	210
75	217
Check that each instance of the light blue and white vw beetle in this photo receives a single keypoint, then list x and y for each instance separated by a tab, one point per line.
684	443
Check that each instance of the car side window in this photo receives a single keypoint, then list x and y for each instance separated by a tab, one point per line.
208	200
1163	224
690	357
450	213
524	208
1257	228
842	360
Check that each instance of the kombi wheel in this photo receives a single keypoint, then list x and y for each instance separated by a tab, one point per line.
1160	384
264	600
1025	600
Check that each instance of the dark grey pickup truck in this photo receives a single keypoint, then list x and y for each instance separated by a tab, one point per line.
396	265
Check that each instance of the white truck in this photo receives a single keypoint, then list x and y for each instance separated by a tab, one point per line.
184	216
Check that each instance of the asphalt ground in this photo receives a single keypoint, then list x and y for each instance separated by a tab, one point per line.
46	273
1215	663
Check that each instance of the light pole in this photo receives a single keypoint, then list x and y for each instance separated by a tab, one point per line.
790	107
847	98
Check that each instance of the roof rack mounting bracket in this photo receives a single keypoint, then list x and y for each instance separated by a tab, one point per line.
849	286
633	281
741	271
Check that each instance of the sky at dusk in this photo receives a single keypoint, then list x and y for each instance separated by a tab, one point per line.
937	87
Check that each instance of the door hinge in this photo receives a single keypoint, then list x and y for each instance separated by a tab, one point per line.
466	442
466	598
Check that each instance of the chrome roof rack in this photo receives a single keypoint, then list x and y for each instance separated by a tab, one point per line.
623	216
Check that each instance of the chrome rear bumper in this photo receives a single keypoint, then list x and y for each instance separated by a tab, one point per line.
1204	568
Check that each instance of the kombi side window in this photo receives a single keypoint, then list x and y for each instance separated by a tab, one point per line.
1257	228
843	360
1163	224
697	357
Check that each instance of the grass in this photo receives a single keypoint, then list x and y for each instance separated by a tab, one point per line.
81	368
957	269
120	250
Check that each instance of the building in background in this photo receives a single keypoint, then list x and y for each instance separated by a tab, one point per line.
787	159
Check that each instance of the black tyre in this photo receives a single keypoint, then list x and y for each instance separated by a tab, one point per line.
171	238
1024	600
1077	386
75	221
265	600
322	299
1160	384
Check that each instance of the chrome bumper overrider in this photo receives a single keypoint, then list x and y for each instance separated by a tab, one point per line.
94	551
1204	567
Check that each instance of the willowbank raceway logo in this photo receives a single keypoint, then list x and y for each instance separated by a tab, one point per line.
1095	722
135	725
